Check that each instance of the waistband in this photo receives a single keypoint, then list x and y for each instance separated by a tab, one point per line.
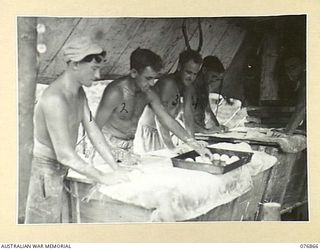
149	128
107	133
117	142
42	150
43	164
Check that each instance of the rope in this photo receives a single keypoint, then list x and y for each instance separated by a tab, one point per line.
185	35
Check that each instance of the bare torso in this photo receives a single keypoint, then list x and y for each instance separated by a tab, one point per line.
74	109
123	120
200	101
170	97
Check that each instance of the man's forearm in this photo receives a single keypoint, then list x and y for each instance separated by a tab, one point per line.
164	134
200	129
212	116
102	146
188	114
189	124
214	119
296	119
171	124
73	161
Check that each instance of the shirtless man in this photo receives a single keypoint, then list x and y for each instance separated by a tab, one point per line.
124	100
294	92
296	72
210	76
171	88
58	114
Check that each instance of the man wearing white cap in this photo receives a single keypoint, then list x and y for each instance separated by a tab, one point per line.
58	114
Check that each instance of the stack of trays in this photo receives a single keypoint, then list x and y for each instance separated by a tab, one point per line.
223	161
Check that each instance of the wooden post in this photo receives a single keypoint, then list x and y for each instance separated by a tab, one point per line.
271	211
269	82
27	73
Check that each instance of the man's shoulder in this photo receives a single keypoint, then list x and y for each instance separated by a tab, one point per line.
119	84
198	81
152	95
115	87
168	78
166	82
114	91
52	94
52	99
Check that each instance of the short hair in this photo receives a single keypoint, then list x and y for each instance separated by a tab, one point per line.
188	55
142	58
212	63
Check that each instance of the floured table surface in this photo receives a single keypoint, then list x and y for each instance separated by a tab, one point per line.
177	194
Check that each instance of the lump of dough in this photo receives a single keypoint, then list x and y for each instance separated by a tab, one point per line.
216	157
199	159
189	159
234	158
224	158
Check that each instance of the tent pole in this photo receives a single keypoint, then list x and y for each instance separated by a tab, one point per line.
27	74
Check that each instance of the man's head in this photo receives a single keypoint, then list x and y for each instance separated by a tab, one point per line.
144	67
212	70
189	65
294	67
84	58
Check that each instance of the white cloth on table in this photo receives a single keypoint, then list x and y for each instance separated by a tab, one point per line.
176	194
179	194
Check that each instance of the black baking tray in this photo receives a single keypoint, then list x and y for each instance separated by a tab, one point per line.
214	168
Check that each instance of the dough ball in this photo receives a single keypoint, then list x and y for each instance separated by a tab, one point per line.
224	158
222	164
189	159
216	157
229	161
234	158
199	159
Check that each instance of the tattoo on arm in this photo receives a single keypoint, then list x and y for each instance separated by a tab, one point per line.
123	108
194	102
176	101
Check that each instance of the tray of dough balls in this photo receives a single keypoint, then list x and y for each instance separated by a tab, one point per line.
223	161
